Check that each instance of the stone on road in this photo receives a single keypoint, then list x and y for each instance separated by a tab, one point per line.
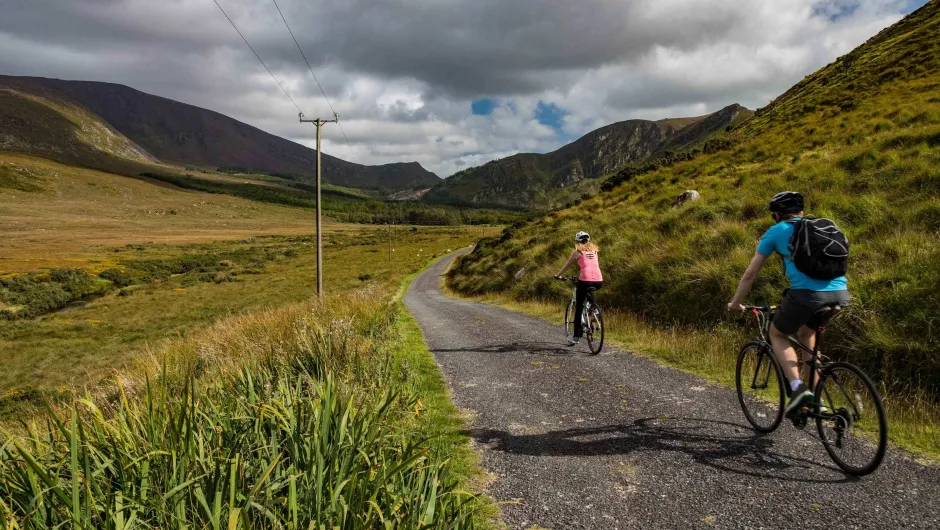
617	441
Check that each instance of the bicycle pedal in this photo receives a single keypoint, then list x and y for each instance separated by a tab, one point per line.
799	423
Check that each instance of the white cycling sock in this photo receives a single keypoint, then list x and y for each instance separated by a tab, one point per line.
795	384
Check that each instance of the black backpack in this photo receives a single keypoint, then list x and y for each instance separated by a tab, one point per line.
819	249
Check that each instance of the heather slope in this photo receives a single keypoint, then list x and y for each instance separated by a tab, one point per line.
861	138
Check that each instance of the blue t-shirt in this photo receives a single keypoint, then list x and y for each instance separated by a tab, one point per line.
777	239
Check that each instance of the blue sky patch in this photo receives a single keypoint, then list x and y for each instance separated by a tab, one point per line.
913	5
836	10
483	107
550	114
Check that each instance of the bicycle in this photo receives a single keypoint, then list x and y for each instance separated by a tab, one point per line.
592	320
847	408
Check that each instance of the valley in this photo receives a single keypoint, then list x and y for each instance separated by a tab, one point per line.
167	363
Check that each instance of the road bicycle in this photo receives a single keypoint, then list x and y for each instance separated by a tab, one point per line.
849	413
592	320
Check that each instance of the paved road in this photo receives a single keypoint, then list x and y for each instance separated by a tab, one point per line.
616	441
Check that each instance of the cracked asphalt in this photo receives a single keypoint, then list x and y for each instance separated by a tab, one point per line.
617	441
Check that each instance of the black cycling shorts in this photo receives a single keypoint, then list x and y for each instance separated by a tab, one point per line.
799	306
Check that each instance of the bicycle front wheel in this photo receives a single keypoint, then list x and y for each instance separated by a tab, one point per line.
760	381
569	320
595	330
852	423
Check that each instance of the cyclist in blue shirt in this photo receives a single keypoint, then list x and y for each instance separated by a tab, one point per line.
797	311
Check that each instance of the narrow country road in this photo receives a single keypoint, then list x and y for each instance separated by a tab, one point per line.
616	441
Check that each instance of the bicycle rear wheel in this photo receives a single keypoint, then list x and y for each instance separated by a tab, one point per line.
569	320
594	329
760	381
852	423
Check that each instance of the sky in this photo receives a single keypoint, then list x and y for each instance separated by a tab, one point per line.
448	83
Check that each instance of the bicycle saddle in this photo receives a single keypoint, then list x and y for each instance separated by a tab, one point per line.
831	308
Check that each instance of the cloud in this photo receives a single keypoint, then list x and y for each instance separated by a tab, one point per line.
448	83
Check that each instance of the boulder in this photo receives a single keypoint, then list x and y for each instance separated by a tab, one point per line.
687	196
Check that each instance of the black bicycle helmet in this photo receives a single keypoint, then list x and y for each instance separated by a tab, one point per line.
787	202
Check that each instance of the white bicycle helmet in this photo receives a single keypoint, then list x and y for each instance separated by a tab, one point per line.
582	237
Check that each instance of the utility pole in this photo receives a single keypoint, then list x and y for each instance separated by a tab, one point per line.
319	123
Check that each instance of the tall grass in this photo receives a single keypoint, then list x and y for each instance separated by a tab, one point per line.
295	418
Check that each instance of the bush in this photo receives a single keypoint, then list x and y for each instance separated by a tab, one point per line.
39	294
117	277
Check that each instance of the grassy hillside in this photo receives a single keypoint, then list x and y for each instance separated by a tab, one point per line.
861	138
178	133
543	181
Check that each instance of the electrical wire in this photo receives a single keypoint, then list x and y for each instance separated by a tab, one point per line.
259	59
302	54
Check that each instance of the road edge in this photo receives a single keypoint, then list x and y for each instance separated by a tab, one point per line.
443	420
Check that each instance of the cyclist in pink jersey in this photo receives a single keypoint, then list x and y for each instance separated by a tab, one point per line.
590	278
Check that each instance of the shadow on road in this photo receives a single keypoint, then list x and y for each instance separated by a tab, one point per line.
722	445
531	348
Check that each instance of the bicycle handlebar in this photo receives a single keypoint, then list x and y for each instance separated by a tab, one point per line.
760	308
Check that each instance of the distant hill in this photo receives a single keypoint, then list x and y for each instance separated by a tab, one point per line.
175	132
518	180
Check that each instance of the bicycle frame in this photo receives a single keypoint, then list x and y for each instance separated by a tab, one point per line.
817	361
574	300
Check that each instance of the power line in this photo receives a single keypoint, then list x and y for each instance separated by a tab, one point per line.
259	58
302	54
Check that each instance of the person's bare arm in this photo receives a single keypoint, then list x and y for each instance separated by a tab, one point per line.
570	262
747	281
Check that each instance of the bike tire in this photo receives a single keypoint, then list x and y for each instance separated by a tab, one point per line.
843	378
595	343
763	406
569	320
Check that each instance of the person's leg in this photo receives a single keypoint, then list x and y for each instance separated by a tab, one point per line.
785	353
580	294
807	337
791	317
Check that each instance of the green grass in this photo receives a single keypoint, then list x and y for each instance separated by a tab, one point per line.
307	417
329	413
439	420
860	138
179	294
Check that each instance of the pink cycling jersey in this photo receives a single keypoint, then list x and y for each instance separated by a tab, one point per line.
590	267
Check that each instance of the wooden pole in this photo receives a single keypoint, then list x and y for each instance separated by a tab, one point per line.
319	123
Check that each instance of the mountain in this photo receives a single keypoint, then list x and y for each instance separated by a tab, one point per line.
178	133
520	179
860	138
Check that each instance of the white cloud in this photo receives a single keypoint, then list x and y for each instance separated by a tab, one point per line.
402	74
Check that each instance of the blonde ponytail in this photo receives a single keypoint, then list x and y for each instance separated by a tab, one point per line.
586	247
